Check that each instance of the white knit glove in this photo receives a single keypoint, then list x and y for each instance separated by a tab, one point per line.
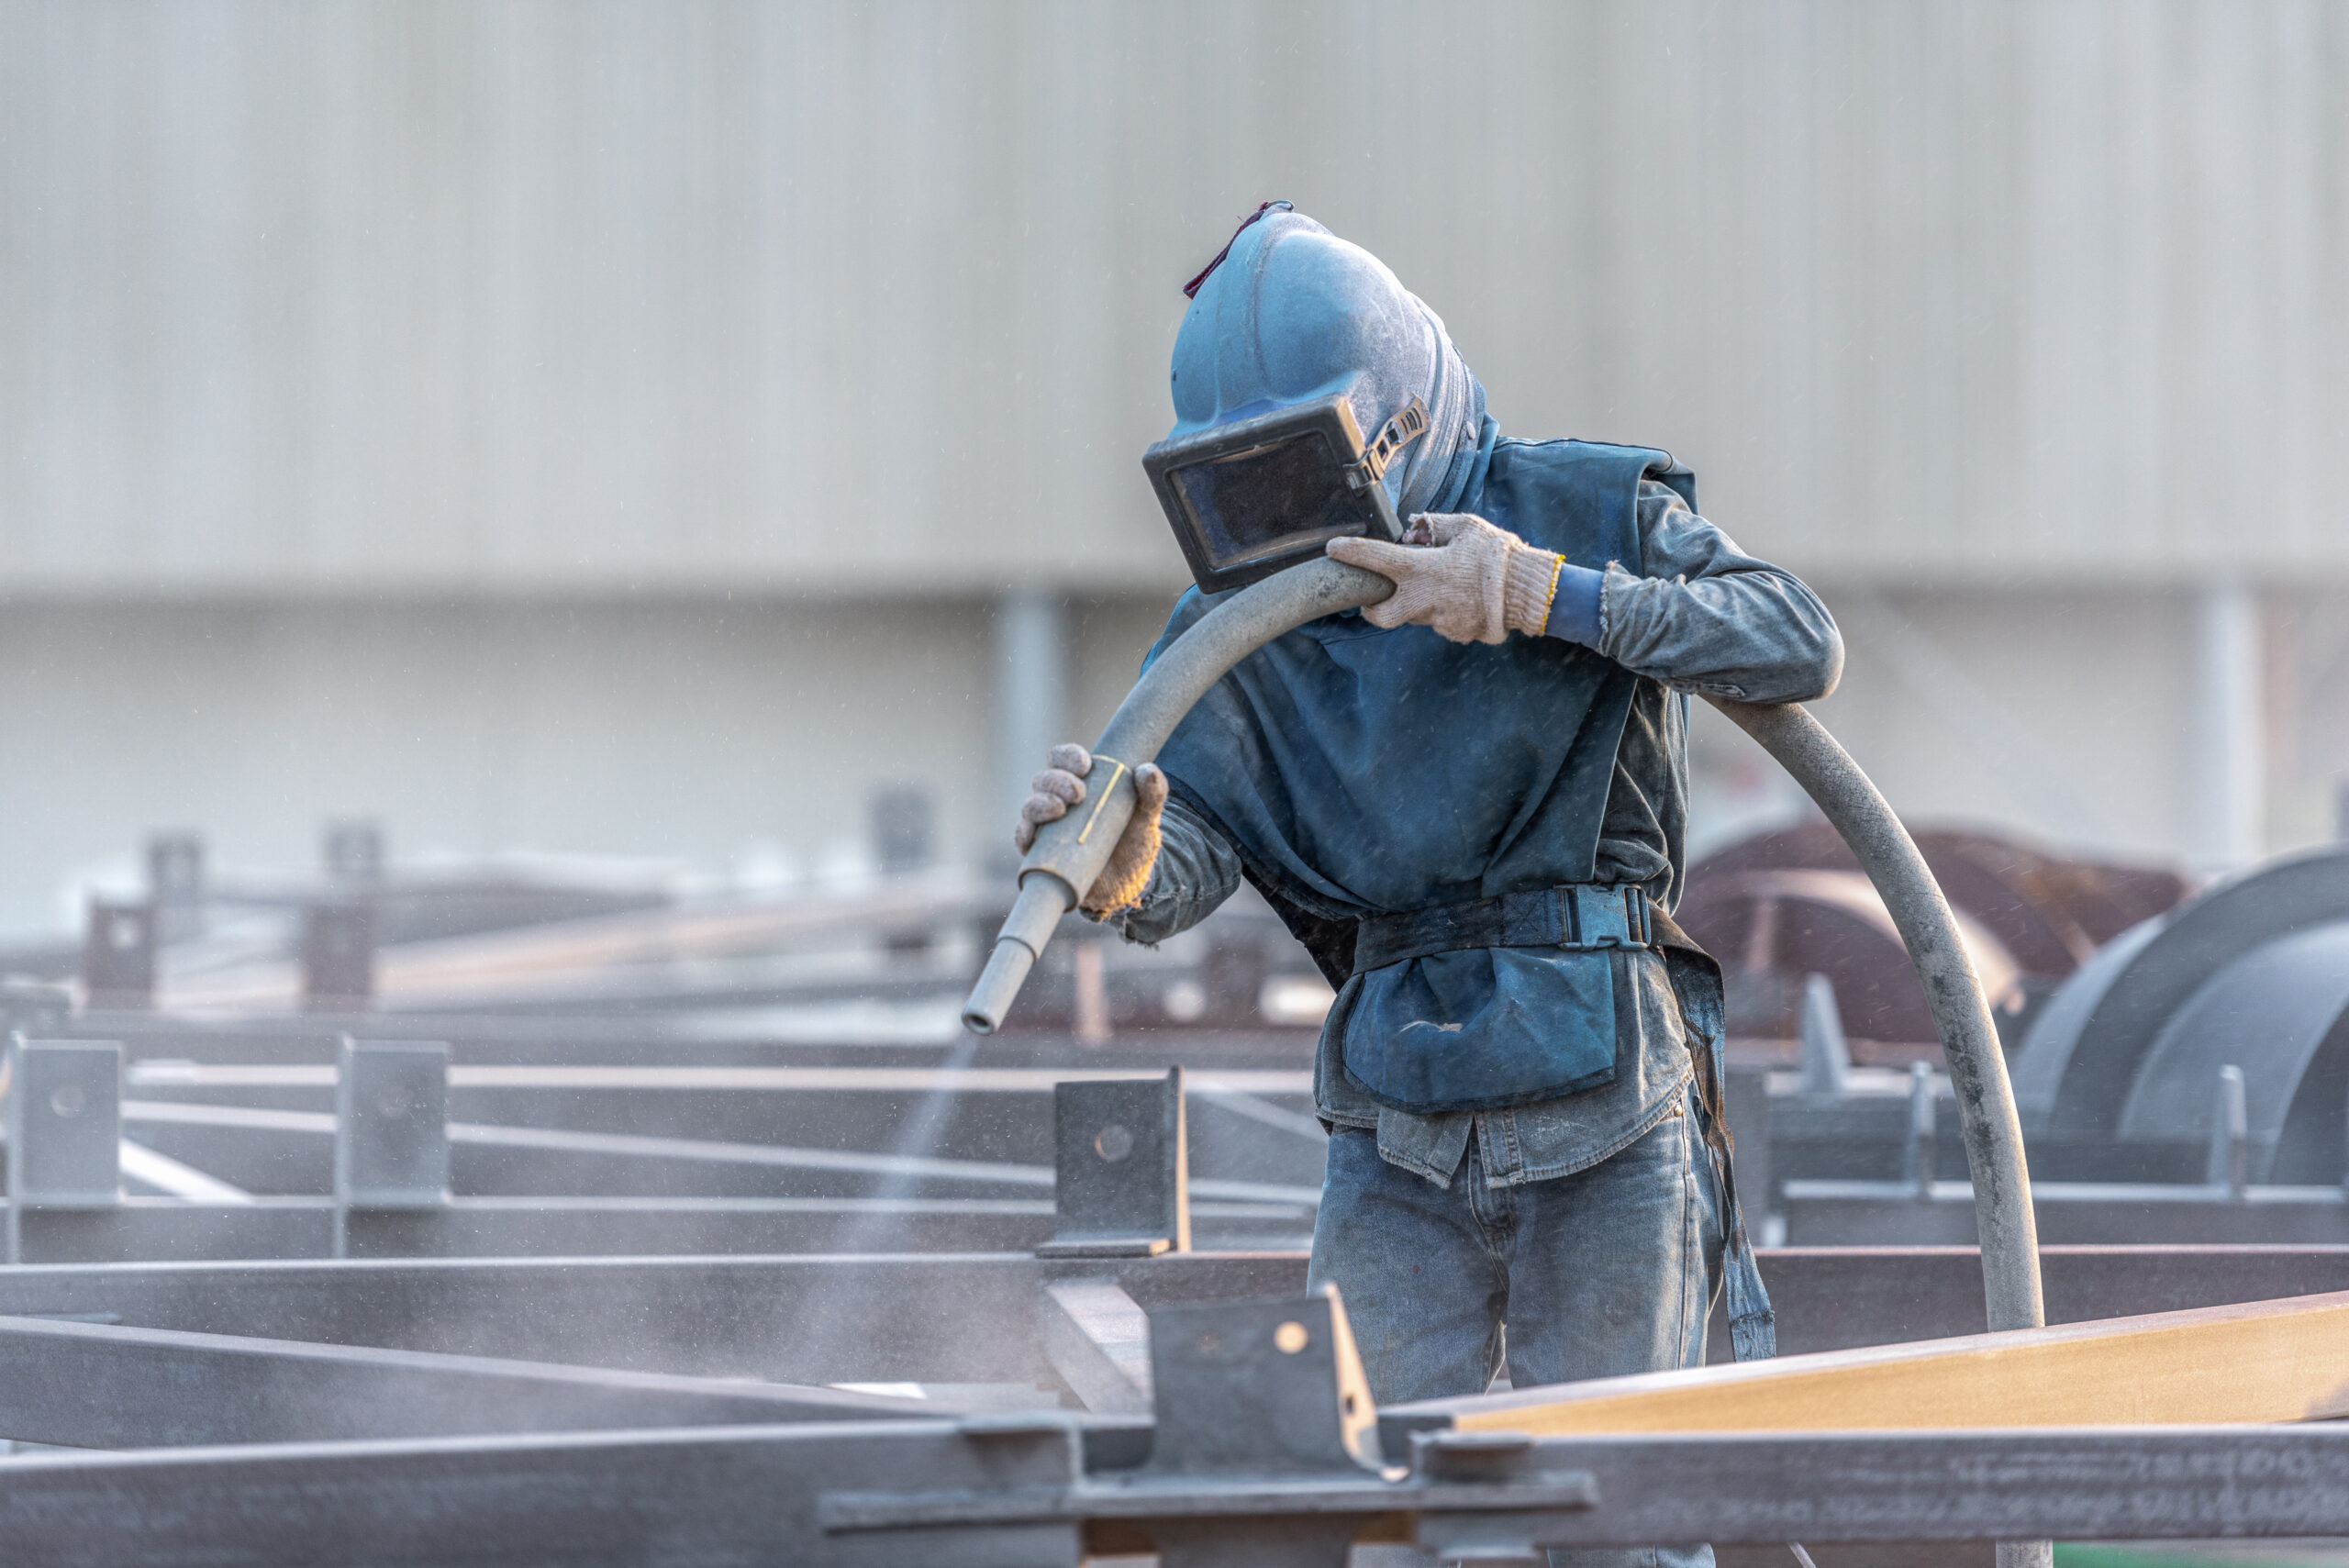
1477	583
1061	786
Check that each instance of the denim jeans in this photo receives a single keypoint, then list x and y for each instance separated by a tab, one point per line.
1609	1271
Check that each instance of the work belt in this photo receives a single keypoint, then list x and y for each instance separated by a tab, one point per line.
1582	917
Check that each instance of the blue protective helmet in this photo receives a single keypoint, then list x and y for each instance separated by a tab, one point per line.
1290	312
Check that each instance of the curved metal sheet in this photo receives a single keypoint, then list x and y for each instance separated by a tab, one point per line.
1796	921
2202	938
2049	914
2268	1012
2038	1066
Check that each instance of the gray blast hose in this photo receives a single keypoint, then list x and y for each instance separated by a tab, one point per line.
1070	853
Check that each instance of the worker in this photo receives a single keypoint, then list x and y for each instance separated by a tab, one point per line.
1470	802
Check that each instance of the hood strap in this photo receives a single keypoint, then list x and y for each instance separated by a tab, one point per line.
1407	426
1191	289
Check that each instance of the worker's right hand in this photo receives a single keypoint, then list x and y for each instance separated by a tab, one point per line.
1061	786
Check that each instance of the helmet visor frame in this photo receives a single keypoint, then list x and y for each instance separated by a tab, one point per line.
1247	499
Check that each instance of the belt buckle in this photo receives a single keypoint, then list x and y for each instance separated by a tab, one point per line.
1603	916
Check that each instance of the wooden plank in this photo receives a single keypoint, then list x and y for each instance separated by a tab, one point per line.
2259	1361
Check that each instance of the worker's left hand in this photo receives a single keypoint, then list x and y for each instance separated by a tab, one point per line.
1063	785
1476	583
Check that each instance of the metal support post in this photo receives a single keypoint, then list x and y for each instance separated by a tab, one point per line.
338	956
118	955
64	1123
176	884
352	853
1261	1390
34	1010
2230	1163
1917	1157
1091	990
1747	1090
391	1144
2226	765
1826	1054
1031	658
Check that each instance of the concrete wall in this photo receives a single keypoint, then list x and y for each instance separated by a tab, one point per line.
607	426
735	738
597	295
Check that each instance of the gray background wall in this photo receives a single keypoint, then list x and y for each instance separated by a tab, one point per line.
615	427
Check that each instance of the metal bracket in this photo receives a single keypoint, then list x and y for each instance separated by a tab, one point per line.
391	1147
64	1123
1264	1455
1264	1388
338	956
118	955
1121	1169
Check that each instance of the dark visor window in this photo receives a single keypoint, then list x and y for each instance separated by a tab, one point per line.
1275	496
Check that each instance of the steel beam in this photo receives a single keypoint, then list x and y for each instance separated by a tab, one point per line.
1859	1214
102	1385
169	1229
996	1495
2079	1484
748	1315
698	1499
1831	1298
934	1319
164	1229
261	1147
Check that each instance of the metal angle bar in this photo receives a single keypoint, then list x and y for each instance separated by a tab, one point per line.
620	1143
1258	1110
2053	1194
1098	1341
102	1385
884	1079
161	1230
703	1500
175	1177
698	1311
697	1315
715	1151
1839	1297
710	1150
1206	1497
624	1202
745	1494
2084	1212
255	1117
2082	1483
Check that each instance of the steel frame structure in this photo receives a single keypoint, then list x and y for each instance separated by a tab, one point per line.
448	1411
473	1384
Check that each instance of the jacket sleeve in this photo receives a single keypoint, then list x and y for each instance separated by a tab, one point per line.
1701	616
1196	871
